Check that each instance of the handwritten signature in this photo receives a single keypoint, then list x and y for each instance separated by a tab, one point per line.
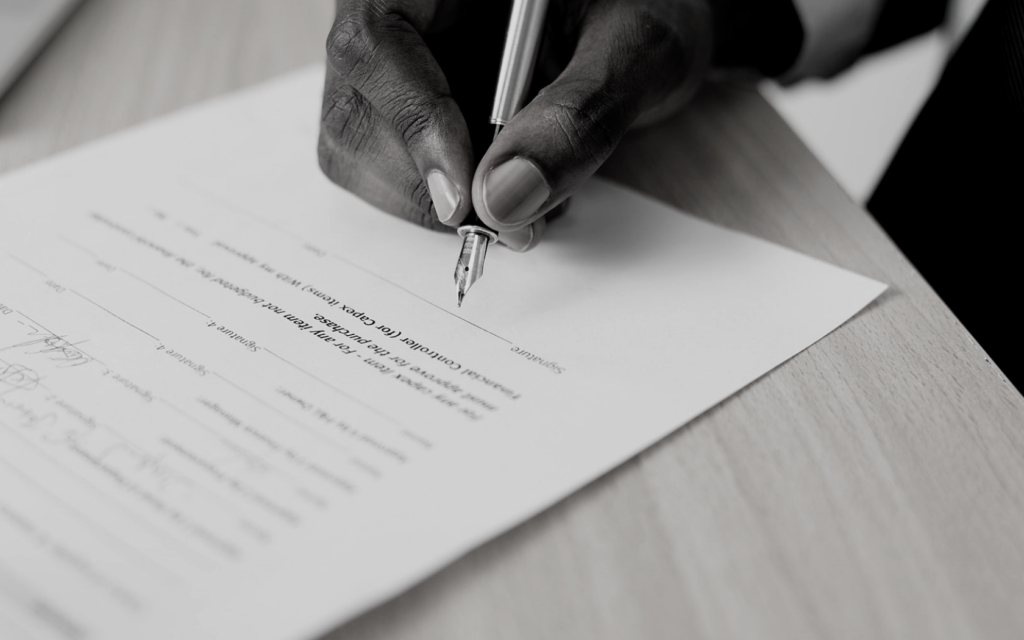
56	348
17	377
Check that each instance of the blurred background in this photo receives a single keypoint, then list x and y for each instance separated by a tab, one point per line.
843	121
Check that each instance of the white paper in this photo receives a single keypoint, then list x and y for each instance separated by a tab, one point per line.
182	455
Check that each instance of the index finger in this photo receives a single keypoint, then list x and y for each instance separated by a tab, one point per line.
375	48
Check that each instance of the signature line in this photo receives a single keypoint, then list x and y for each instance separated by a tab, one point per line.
126	272
28	265
78	246
398	286
114	314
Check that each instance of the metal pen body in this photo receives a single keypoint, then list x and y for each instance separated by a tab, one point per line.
517	62
522	43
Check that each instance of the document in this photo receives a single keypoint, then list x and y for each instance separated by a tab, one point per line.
238	402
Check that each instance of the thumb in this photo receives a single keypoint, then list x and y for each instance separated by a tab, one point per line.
628	60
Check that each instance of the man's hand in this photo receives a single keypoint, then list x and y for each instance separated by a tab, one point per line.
393	133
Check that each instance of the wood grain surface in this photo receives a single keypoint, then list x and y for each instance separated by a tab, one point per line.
871	487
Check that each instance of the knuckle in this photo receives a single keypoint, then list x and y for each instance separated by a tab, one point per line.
341	165
369	51
588	121
352	42
414	115
347	118
349	141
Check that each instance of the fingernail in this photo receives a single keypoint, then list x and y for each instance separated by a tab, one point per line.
514	191
444	194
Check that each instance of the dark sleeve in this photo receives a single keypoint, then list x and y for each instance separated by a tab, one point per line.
951	197
765	35
903	19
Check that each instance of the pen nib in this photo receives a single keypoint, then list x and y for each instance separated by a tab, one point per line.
470	266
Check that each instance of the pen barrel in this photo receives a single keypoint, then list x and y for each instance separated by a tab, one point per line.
521	44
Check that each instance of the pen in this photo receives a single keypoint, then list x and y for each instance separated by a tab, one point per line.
517	61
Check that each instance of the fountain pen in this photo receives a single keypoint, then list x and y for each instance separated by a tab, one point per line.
517	61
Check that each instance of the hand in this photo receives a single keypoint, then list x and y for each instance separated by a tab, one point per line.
409	85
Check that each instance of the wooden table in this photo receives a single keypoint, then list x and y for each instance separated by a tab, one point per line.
872	487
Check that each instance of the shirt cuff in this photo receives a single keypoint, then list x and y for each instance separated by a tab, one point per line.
835	33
